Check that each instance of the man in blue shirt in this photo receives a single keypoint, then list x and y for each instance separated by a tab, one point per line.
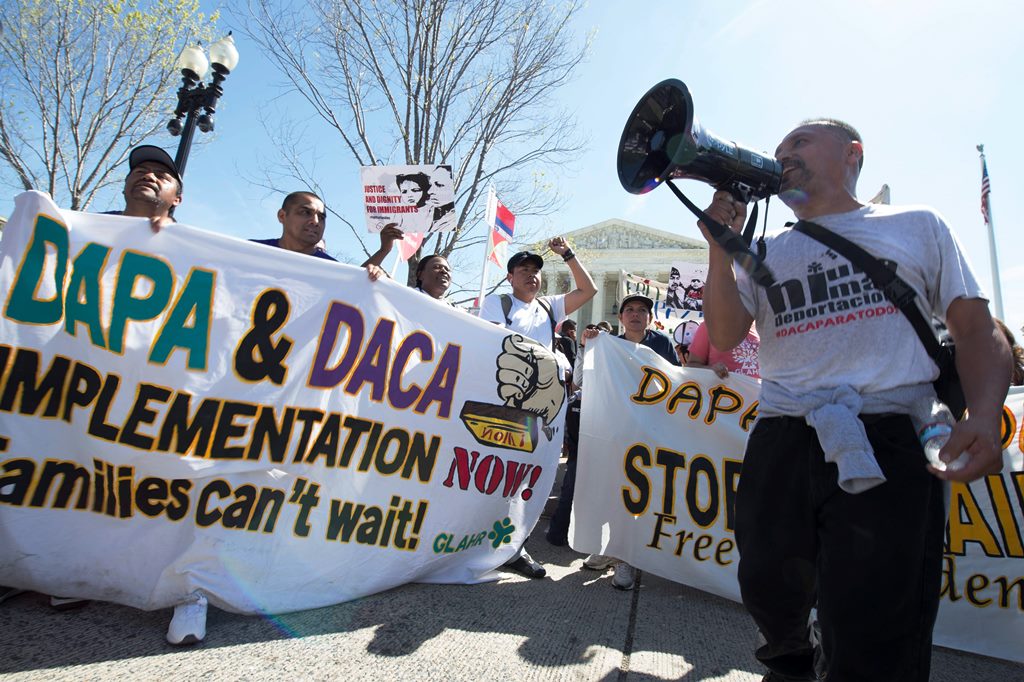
303	217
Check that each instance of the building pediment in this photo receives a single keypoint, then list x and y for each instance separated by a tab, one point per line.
621	235
613	246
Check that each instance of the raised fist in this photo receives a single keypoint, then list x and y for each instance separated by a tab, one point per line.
528	377
558	245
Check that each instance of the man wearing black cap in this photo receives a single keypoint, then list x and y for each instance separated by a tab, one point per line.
529	314
536	318
153	187
152	190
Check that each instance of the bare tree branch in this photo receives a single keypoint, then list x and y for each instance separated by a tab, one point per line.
81	83
468	83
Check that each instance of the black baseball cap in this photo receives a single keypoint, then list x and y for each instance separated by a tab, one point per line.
148	152
637	297
523	257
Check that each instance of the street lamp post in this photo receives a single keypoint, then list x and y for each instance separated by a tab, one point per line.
194	96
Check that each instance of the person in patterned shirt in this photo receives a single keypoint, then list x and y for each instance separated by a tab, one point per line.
741	358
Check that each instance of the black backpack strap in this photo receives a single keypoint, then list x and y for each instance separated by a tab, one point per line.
888	282
551	316
506	308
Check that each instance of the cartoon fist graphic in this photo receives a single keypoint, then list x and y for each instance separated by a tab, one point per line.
528	377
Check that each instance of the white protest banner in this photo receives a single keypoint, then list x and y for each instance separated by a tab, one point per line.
419	199
185	411
660	454
635	487
982	606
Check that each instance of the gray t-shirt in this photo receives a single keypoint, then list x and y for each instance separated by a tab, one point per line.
823	323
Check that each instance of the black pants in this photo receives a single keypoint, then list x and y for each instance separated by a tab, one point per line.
558	529
871	562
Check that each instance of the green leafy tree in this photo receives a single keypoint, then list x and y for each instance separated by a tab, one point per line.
81	83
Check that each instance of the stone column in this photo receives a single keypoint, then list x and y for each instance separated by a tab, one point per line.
597	311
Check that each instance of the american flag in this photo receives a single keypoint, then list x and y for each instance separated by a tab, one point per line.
986	189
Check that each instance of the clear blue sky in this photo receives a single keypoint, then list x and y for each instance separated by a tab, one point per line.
923	80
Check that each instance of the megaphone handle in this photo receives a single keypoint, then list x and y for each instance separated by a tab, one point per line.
730	241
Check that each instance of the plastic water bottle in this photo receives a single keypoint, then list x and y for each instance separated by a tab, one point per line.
934	425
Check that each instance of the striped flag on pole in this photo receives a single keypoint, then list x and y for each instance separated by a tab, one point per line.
503	225
986	189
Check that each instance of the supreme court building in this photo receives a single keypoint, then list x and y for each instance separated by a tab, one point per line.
614	245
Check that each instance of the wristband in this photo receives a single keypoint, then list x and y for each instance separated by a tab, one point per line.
568	255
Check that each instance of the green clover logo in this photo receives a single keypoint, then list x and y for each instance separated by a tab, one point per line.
502	533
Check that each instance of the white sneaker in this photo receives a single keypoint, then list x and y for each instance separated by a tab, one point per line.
598	562
188	626
65	603
624	576
9	593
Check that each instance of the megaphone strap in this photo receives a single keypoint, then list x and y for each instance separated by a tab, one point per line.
733	243
748	231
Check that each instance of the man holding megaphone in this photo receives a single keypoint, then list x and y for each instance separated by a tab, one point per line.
836	507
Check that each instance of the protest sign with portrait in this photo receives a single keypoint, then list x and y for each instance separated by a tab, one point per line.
418	199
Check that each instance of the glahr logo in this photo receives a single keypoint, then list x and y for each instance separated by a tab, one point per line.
500	534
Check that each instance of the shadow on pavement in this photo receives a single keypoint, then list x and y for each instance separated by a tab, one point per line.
571	625
560	619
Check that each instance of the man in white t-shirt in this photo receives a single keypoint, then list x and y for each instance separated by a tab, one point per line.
536	317
836	508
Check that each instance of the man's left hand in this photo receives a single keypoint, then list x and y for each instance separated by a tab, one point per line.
980	439
983	363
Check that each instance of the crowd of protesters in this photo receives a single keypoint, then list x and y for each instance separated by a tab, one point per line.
821	160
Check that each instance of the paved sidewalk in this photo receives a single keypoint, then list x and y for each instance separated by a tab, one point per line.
571	625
